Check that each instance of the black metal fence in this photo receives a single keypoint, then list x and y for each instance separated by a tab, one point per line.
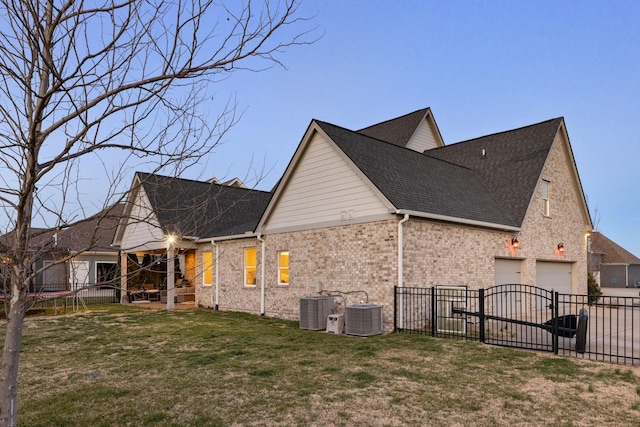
523	316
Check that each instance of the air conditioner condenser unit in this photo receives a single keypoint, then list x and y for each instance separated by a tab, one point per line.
363	320
314	311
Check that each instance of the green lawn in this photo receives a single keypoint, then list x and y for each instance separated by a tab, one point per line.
118	366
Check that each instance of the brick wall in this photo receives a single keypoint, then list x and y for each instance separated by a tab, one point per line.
541	234
349	258
233	294
358	257
443	254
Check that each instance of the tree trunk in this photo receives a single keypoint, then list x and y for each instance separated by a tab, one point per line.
10	358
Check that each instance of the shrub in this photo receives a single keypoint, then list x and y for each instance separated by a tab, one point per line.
593	288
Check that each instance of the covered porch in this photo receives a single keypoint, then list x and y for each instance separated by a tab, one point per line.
163	275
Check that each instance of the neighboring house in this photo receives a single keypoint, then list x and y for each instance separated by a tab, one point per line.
360	212
612	265
86	246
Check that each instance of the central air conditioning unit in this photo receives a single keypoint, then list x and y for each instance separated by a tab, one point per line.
363	320
314	311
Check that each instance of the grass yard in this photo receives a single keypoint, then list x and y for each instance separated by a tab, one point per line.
119	365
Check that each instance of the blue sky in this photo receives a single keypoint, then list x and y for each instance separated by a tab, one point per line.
482	67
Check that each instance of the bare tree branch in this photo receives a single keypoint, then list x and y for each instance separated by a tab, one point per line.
124	77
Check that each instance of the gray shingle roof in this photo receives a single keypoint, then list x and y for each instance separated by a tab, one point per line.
613	253
397	131
415	182
201	209
512	163
93	234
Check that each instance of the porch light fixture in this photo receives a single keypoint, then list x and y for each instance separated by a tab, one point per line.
514	243
561	247
171	239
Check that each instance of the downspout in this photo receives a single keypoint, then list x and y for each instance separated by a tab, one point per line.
400	266
216	306
262	251
400	250
626	279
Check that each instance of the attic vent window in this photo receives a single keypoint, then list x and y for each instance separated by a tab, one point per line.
546	210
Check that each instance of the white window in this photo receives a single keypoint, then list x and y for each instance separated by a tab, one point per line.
207	268
283	267
250	263
546	211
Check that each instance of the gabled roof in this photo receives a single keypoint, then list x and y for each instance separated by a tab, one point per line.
93	234
612	252
509	163
197	209
418	183
399	131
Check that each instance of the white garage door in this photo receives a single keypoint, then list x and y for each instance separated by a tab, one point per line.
507	272
554	275
507	301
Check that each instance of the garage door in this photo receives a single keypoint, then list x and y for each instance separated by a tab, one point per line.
507	271
507	300
554	275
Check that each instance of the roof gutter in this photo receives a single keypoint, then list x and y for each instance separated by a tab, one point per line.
466	221
246	235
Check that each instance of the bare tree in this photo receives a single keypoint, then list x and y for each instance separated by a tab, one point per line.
79	79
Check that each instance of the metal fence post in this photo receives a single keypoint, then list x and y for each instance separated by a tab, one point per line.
434	315
554	328
481	312
395	308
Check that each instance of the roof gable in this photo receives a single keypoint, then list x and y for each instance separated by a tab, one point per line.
417	183
322	187
198	210
509	163
417	131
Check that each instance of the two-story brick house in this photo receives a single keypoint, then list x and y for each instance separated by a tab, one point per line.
388	205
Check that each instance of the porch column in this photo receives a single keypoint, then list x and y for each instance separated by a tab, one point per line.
171	277
123	278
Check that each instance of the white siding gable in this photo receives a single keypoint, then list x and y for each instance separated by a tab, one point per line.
324	190
423	138
142	231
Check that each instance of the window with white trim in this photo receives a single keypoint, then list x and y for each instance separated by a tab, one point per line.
207	268
250	264
283	268
546	210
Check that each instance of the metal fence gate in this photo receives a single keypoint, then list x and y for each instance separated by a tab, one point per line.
520	316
